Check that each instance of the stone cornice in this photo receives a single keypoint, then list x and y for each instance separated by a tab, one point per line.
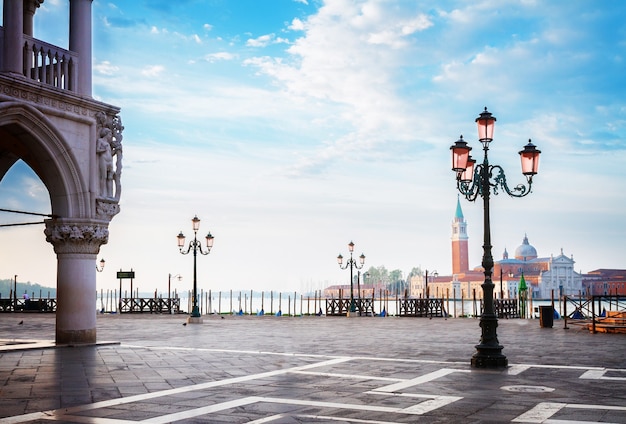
14	87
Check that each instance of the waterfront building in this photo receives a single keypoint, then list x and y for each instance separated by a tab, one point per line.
603	282
545	277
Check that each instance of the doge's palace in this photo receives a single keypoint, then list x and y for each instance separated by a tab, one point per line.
49	120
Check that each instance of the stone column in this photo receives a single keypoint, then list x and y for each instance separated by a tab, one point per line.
80	42
13	15
76	243
30	7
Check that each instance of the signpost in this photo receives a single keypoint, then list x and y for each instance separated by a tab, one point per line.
125	275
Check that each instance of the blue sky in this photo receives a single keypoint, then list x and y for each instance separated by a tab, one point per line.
292	127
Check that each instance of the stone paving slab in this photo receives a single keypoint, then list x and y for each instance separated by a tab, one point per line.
308	370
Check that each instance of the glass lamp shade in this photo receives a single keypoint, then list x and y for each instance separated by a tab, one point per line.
460	155
351	247
362	258
181	239
486	123
209	240
530	159
195	223
339	259
467	174
102	262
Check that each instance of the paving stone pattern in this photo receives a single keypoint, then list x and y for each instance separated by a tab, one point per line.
234	369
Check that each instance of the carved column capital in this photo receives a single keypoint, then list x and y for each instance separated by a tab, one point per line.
76	236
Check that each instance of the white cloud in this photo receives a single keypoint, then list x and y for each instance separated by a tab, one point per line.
106	68
152	71
213	57
261	41
296	25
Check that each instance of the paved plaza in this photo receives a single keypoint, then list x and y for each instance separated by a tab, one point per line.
154	369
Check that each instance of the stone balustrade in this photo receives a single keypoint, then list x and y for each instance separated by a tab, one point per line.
50	64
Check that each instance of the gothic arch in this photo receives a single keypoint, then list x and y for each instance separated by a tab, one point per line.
27	134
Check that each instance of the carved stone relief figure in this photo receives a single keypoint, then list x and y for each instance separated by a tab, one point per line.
109	146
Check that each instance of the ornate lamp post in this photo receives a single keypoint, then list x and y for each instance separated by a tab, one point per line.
474	180
195	246
352	264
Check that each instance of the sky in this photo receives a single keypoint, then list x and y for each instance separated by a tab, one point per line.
292	127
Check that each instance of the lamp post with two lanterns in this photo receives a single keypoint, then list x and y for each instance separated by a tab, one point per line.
478	180
352	264
195	246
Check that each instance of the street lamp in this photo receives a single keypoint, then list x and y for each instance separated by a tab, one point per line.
195	247
352	264
433	274
474	180
102	262
169	283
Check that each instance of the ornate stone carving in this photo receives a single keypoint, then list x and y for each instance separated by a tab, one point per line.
109	146
106	209
76	237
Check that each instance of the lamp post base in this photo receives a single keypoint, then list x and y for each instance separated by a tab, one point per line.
489	357
194	320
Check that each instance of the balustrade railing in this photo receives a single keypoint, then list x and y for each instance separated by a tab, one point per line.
50	65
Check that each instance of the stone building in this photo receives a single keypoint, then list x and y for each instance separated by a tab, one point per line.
545	277
601	282
50	121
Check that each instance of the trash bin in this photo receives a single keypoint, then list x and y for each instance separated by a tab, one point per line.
546	316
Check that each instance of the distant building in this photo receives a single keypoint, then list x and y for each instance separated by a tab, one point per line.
545	277
365	291
605	282
460	261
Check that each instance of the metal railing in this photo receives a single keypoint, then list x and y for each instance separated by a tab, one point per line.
590	310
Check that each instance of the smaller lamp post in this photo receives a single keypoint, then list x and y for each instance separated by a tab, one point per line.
169	283
352	264
195	246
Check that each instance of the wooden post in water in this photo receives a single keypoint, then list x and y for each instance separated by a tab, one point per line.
280	301
462	303
272	302
474	302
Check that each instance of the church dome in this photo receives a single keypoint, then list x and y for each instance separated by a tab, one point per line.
525	251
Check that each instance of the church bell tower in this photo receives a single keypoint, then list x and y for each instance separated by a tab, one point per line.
460	261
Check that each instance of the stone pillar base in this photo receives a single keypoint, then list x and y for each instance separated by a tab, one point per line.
72	337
